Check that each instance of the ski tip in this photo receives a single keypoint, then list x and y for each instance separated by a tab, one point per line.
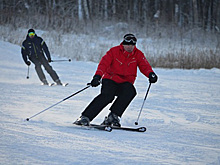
65	84
142	129
51	84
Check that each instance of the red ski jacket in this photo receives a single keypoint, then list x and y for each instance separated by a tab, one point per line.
121	66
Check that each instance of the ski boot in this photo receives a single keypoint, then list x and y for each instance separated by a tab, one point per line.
112	120
44	81
58	82
83	120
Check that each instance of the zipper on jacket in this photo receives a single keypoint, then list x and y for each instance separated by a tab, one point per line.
119	61
131	62
35	50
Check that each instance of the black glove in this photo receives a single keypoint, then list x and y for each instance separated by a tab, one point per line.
95	81
28	63
49	60
152	77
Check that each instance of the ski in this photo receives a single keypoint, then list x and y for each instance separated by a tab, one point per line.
54	84
49	84
96	126
110	128
139	129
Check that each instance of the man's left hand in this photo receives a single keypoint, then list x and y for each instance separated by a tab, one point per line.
152	77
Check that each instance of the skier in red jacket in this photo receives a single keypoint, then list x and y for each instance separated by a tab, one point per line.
118	71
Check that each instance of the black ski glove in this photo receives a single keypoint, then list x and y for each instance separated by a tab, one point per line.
152	77
95	81
28	63
49	60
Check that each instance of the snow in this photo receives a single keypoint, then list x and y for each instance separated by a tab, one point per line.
181	113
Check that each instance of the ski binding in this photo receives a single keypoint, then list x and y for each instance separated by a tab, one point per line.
98	127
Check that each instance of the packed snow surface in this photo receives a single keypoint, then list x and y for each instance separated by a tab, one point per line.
181	112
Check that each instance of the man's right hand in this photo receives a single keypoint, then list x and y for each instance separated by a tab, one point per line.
28	63
96	81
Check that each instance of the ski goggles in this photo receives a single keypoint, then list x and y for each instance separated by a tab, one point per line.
130	38
31	34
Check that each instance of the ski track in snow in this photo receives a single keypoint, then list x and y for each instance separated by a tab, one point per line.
181	113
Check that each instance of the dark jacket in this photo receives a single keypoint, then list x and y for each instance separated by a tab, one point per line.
34	48
121	66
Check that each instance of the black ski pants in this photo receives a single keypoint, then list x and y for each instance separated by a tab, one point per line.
125	93
43	61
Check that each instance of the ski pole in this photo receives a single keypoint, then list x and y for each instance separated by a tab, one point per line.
58	103
28	73
136	123
60	60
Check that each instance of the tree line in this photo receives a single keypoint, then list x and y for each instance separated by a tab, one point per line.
172	33
66	14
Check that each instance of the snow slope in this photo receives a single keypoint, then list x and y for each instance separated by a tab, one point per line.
181	114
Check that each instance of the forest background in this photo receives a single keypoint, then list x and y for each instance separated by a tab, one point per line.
172	33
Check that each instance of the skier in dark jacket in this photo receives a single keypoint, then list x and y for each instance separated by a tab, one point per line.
33	48
118	70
